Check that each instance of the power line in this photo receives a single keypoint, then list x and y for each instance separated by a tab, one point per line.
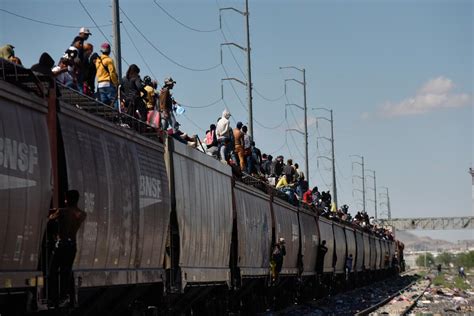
202	106
268	99
270	127
281	147
241	70
192	122
163	54
181	23
51	24
138	51
295	143
98	27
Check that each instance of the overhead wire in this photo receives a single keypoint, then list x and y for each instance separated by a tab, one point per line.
193	123
245	77
51	24
100	30
162	53
138	51
202	106
183	24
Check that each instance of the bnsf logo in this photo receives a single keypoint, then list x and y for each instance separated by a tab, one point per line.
18	155
150	187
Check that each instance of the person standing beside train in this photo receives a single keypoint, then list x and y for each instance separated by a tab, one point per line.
68	221
279	251
322	250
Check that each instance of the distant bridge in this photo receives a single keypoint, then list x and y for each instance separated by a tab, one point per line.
433	223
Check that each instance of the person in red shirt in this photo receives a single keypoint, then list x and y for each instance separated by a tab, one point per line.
308	197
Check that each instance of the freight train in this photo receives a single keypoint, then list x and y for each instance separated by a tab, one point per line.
168	228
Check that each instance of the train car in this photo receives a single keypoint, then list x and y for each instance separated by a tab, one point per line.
327	234
351	246
25	184
166	224
359	258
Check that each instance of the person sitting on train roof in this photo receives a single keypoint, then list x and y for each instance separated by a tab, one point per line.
183	137
308	197
62	73
45	65
277	166
107	79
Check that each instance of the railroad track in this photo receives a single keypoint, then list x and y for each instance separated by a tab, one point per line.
402	302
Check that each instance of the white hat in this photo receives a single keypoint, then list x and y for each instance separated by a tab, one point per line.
282	239
85	30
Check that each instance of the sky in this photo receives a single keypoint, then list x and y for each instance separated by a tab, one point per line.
398	76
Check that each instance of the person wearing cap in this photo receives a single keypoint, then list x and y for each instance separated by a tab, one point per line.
166	102
223	132
7	52
107	79
150	96
84	33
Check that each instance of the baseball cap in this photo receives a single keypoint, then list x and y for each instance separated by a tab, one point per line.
85	30
105	47
169	81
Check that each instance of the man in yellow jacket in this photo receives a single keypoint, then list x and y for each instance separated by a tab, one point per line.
106	77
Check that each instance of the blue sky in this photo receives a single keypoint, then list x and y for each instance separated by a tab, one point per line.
398	75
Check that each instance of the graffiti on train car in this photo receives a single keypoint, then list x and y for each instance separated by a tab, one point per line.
17	155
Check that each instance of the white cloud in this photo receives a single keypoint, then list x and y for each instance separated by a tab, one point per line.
435	94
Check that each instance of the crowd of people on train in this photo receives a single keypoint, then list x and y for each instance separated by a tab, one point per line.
94	75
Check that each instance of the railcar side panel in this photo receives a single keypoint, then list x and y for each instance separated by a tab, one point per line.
378	253
204	210
384	252
254	227
309	241
373	253
351	245
391	251
359	265
367	255
25	183
327	233
286	226
124	190
340	247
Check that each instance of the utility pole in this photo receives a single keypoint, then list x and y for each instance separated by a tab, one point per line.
249	69
389	213
116	28
305	109
333	157
375	192
362	178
